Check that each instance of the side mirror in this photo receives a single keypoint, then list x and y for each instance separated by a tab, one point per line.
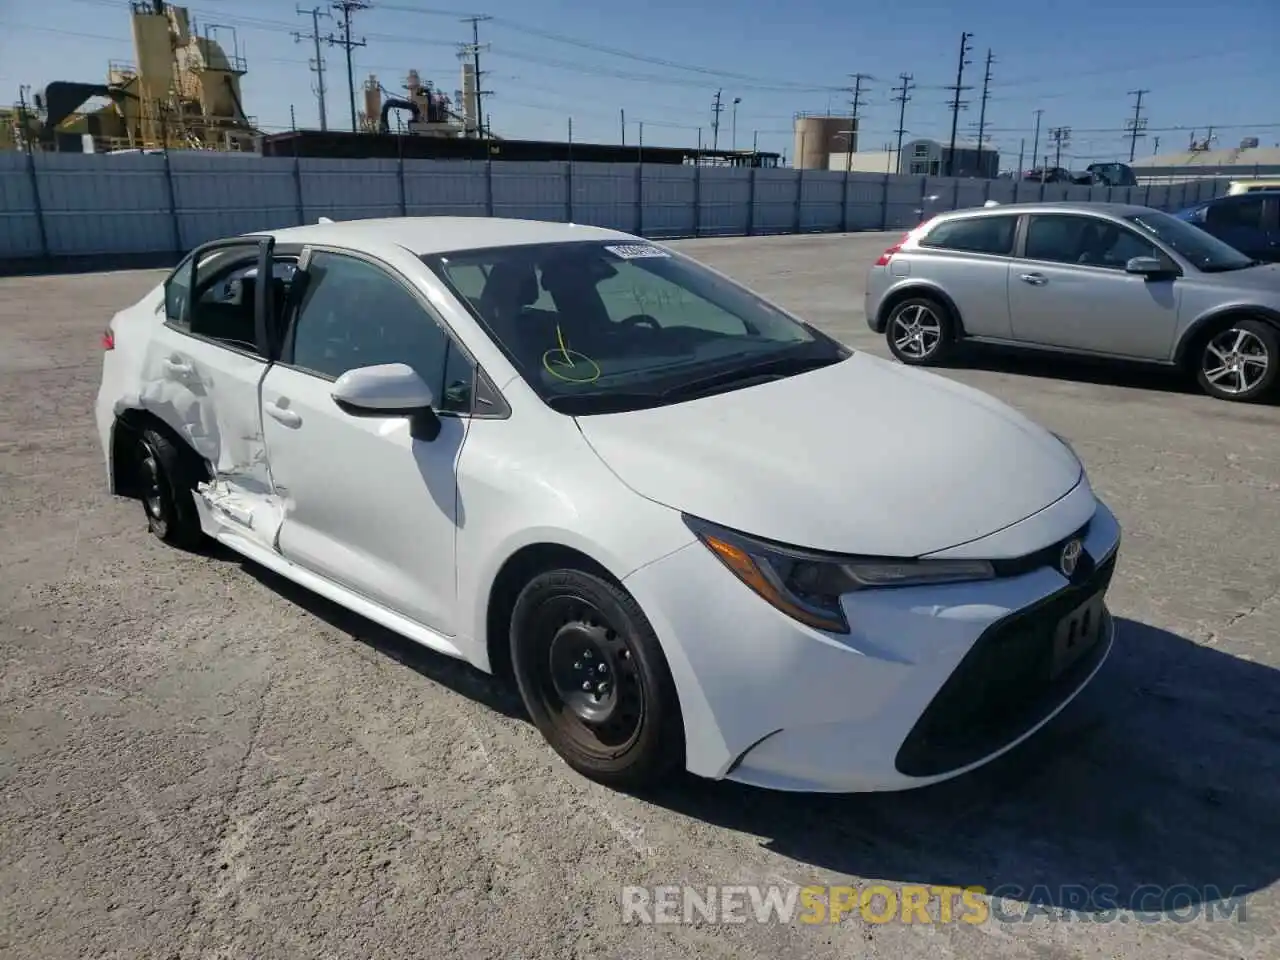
1153	268
388	390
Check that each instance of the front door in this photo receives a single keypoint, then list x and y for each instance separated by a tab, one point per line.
367	505
1069	288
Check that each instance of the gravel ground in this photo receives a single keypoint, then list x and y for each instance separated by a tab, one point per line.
198	760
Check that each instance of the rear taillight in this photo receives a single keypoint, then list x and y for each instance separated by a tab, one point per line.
889	252
108	339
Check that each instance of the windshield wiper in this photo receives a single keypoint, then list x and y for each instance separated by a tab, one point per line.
1230	267
603	401
775	366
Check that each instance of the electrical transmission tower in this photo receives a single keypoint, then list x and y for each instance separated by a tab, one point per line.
956	103
1061	137
317	64
346	8
716	108
1137	126
473	49
982	110
904	95
855	108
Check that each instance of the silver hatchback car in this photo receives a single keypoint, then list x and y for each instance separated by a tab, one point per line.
1096	279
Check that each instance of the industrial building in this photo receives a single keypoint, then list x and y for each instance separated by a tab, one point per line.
1200	161
922	157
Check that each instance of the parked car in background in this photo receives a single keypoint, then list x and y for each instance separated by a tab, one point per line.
1250	222
1262	185
1106	174
593	466
1109	280
1048	175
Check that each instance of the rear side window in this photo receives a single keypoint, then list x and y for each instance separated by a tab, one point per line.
1241	213
973	235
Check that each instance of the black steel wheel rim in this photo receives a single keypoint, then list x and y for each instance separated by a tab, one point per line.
587	676
152	484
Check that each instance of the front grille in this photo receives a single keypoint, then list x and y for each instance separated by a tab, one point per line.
1044	557
1002	688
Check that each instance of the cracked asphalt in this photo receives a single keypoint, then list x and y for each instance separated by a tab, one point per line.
198	760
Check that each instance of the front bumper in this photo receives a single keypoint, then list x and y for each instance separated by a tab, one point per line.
931	682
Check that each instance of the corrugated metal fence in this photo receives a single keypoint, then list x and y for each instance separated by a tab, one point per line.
68	205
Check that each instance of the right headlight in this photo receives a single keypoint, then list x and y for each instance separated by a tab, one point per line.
807	586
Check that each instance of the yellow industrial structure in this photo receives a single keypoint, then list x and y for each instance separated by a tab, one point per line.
183	91
431	112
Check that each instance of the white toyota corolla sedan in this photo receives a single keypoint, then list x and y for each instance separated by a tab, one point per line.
695	531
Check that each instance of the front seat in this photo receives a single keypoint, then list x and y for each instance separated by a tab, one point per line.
510	289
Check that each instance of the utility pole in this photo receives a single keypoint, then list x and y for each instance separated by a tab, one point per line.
1061	136
346	8
1137	126
855	104
956	103
716	108
1035	143
622	118
474	49
982	111
733	124
1155	152
904	95
317	65
1022	152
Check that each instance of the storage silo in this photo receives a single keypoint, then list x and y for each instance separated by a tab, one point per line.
819	137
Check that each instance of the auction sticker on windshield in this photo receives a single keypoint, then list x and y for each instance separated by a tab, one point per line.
636	251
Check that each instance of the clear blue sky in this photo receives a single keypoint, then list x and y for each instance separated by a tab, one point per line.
1203	64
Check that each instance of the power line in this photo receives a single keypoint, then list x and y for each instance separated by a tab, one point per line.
982	111
474	49
317	65
1137	125
1061	137
346	8
956	103
904	95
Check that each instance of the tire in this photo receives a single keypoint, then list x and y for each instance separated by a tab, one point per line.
1239	361
570	628
930	327
165	483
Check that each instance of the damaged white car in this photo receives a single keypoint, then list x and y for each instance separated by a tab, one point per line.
695	531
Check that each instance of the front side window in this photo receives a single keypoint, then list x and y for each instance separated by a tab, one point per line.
989	234
1245	213
1088	241
1203	250
355	314
598	326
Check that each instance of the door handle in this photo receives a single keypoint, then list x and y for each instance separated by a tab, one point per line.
282	414
1035	279
175	367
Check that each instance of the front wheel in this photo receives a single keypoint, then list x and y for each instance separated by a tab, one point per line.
920	332
1241	361
594	679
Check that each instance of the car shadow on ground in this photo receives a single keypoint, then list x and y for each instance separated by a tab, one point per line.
1157	788
1091	370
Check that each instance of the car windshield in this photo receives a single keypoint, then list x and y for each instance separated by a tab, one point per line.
1205	251
600	327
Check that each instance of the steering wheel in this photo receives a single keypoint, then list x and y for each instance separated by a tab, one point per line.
640	320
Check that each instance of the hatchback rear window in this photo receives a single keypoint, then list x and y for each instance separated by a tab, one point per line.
973	235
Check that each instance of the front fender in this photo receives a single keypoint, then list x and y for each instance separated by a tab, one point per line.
1216	315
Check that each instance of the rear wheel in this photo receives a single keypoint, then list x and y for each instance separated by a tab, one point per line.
1240	361
920	332
594	679
165	487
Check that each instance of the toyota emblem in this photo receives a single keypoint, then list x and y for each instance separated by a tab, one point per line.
1070	558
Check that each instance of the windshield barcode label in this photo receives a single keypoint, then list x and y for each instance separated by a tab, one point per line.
635	251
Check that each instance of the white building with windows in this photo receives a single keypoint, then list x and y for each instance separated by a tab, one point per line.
924	158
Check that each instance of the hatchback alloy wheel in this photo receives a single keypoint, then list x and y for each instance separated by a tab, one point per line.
919	332
1240	361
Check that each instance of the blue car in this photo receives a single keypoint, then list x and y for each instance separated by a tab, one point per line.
1250	222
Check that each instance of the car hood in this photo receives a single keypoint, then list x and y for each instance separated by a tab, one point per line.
861	457
1265	277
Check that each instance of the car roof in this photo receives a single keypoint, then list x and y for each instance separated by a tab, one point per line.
1053	206
427	235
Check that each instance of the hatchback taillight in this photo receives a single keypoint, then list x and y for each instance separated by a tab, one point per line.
889	252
